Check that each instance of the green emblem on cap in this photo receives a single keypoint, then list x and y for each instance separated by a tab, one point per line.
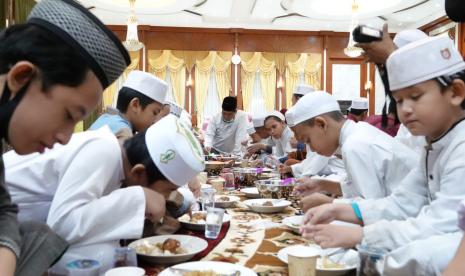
167	156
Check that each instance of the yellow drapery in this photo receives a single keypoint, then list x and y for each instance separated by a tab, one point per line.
220	63
251	63
307	64
160	63
109	93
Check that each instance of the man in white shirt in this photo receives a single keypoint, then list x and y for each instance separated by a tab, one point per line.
227	129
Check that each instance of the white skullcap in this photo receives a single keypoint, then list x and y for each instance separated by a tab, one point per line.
258	121
359	103
251	130
423	60
408	36
147	84
310	106
174	150
275	113
303	89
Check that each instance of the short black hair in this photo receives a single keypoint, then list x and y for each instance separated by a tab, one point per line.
58	63
125	96
357	112
445	81
298	96
229	104
335	115
137	153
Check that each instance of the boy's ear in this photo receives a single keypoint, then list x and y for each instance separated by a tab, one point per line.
19	75
134	104
139	174
458	90
320	121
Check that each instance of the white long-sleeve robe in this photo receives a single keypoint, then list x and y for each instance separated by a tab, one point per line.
75	190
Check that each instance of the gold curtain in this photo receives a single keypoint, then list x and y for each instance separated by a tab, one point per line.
307	64
251	63
22	9
220	64
109	93
159	64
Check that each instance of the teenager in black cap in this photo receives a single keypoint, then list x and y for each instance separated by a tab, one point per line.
227	129
53	70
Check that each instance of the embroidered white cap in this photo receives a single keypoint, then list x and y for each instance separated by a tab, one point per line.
147	84
405	37
174	150
423	60
359	103
275	113
310	106
303	89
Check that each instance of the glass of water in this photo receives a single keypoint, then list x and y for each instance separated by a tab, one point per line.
124	256
208	198
213	223
228	181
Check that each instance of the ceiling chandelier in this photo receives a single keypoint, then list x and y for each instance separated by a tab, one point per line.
351	50
132	42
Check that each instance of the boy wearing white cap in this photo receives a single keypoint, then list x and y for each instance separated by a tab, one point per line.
300	91
53	69
260	139
358	110
75	188
280	135
421	213
139	105
375	162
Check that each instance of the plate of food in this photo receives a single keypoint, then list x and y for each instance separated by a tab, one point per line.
336	264
197	220
267	205
225	201
250	192
168	249
293	223
207	268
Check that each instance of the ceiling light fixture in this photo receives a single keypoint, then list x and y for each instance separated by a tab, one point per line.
132	42
351	50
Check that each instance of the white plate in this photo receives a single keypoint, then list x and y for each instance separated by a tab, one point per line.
256	205
293	223
192	244
219	267
225	204
250	192
185	221
349	259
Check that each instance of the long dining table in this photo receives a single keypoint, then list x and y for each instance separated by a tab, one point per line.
250	239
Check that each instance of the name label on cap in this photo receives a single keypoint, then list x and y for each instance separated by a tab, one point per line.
167	156
446	53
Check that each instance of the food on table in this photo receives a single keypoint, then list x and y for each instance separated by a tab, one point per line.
168	248
224	198
295	224
328	264
199	217
267	203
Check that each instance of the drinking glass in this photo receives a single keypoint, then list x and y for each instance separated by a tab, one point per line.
229	184
370	262
213	223
208	198
124	256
